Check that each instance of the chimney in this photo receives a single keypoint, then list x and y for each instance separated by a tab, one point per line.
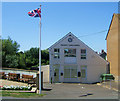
102	51
96	52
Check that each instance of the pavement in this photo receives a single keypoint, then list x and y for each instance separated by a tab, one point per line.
114	85
79	91
71	91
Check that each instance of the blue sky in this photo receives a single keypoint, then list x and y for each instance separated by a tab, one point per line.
80	18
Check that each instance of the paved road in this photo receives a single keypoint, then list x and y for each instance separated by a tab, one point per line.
79	91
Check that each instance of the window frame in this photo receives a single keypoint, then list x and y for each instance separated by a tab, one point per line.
72	54
83	54
70	74
56	53
83	68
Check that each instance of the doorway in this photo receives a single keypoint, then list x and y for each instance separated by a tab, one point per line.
83	73
56	75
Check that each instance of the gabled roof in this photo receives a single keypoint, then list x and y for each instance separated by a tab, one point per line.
69	34
113	17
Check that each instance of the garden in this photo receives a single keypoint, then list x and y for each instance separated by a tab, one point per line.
18	91
20	94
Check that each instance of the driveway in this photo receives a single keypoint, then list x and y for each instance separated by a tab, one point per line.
78	91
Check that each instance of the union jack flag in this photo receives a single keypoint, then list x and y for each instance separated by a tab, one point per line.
35	13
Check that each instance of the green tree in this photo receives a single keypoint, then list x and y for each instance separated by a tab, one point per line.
11	61
32	57
9	48
12	58
21	60
45	57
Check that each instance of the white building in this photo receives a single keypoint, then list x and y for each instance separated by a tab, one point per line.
73	61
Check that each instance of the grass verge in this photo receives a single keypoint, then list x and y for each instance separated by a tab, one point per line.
20	94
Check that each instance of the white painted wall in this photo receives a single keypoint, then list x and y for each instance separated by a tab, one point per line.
45	70
70	60
96	65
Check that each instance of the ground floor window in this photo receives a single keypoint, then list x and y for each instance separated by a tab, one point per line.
70	71
83	71
66	73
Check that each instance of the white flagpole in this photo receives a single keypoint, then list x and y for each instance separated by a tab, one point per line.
40	59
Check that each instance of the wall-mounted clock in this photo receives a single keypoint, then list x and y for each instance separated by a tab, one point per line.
69	39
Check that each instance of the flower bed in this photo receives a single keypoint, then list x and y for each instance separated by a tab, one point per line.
15	87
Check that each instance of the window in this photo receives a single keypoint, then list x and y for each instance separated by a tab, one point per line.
83	53
74	73
56	53
70	71
70	52
84	71
66	73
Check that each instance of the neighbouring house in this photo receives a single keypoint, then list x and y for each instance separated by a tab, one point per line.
45	70
113	45
103	54
73	61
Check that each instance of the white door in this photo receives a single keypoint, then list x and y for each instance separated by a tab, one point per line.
56	73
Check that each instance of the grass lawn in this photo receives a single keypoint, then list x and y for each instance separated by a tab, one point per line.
20	94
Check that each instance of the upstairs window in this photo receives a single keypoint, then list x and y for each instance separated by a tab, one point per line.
69	52
56	53
83	53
